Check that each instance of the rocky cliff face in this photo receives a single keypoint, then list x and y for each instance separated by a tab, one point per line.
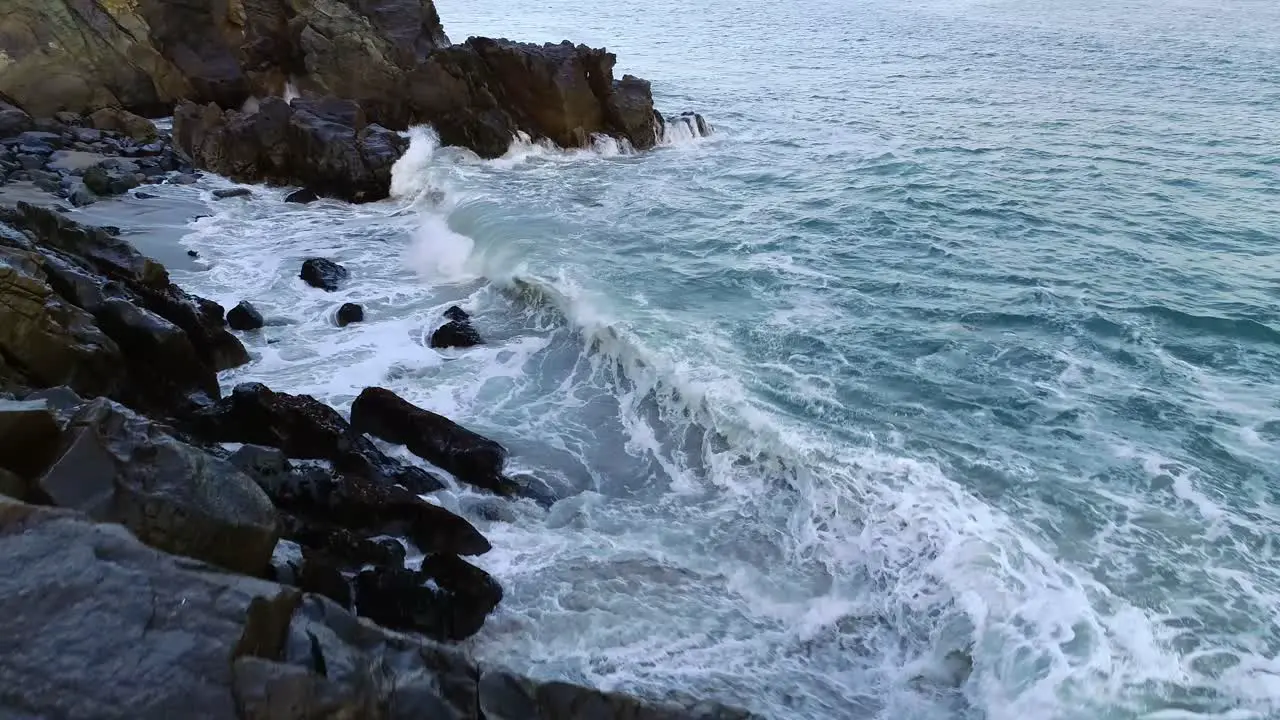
392	57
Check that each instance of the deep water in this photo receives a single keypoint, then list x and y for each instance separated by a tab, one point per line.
941	382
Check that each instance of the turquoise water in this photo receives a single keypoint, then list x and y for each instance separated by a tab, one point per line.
958	343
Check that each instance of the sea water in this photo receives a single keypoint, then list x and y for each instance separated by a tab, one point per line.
942	381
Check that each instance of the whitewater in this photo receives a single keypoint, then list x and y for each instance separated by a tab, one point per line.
941	381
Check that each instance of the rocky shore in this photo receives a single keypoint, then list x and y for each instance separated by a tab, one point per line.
168	550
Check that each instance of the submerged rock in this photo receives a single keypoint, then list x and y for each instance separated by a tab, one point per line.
457	332
225	193
322	273
302	197
244	316
472	458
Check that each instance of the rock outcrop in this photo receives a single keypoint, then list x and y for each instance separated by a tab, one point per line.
95	624
326	144
458	331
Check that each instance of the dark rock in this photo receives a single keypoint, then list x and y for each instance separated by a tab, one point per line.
98	180
452	608
184	179
13	121
326	145
244	317
69	119
192	253
349	313
87	135
123	122
321	498
30	162
144	196
304	427
322	273
303	196
79	196
472	458
49	139
167	638
692	123
49	186
455	334
31	436
232	192
120	467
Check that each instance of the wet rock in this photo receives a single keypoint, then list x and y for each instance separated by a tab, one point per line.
472	458
447	601
192	253
244	317
324	144
456	333
123	122
144	196
79	196
69	119
224	193
304	427
28	161
349	313
184	179
303	196
120	467
690	124
321	501
322	273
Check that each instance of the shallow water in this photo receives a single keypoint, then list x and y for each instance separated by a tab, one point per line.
959	339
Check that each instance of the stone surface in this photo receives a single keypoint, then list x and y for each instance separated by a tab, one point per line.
13	120
29	436
123	122
472	458
244	316
325	144
224	193
322	273
457	331
117	466
302	196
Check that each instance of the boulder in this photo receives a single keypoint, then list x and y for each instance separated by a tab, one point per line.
13	120
302	196
117	466
304	427
448	600
123	122
349	313
457	331
322	273
317	497
481	93
326	144
224	193
244	316
470	457
128	632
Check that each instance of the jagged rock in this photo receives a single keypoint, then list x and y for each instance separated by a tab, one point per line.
448	600
304	427
119	467
104	182
156	637
472	458
224	193
13	120
322	273
244	316
457	332
349	313
325	144
302	196
48	340
123	122
81	196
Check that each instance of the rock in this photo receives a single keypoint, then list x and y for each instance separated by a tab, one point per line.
349	313
87	135
451	608
81	195
28	161
120	467
184	179
688	124
97	180
13	120
123	122
69	119
224	193
481	93
319	497
303	196
472	458
193	253
304	427
31	436
322	273
155	636
50	341
244	317
145	196
457	332
325	144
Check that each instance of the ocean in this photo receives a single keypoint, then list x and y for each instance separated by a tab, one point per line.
942	381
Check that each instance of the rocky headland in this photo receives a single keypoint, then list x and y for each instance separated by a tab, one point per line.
169	549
